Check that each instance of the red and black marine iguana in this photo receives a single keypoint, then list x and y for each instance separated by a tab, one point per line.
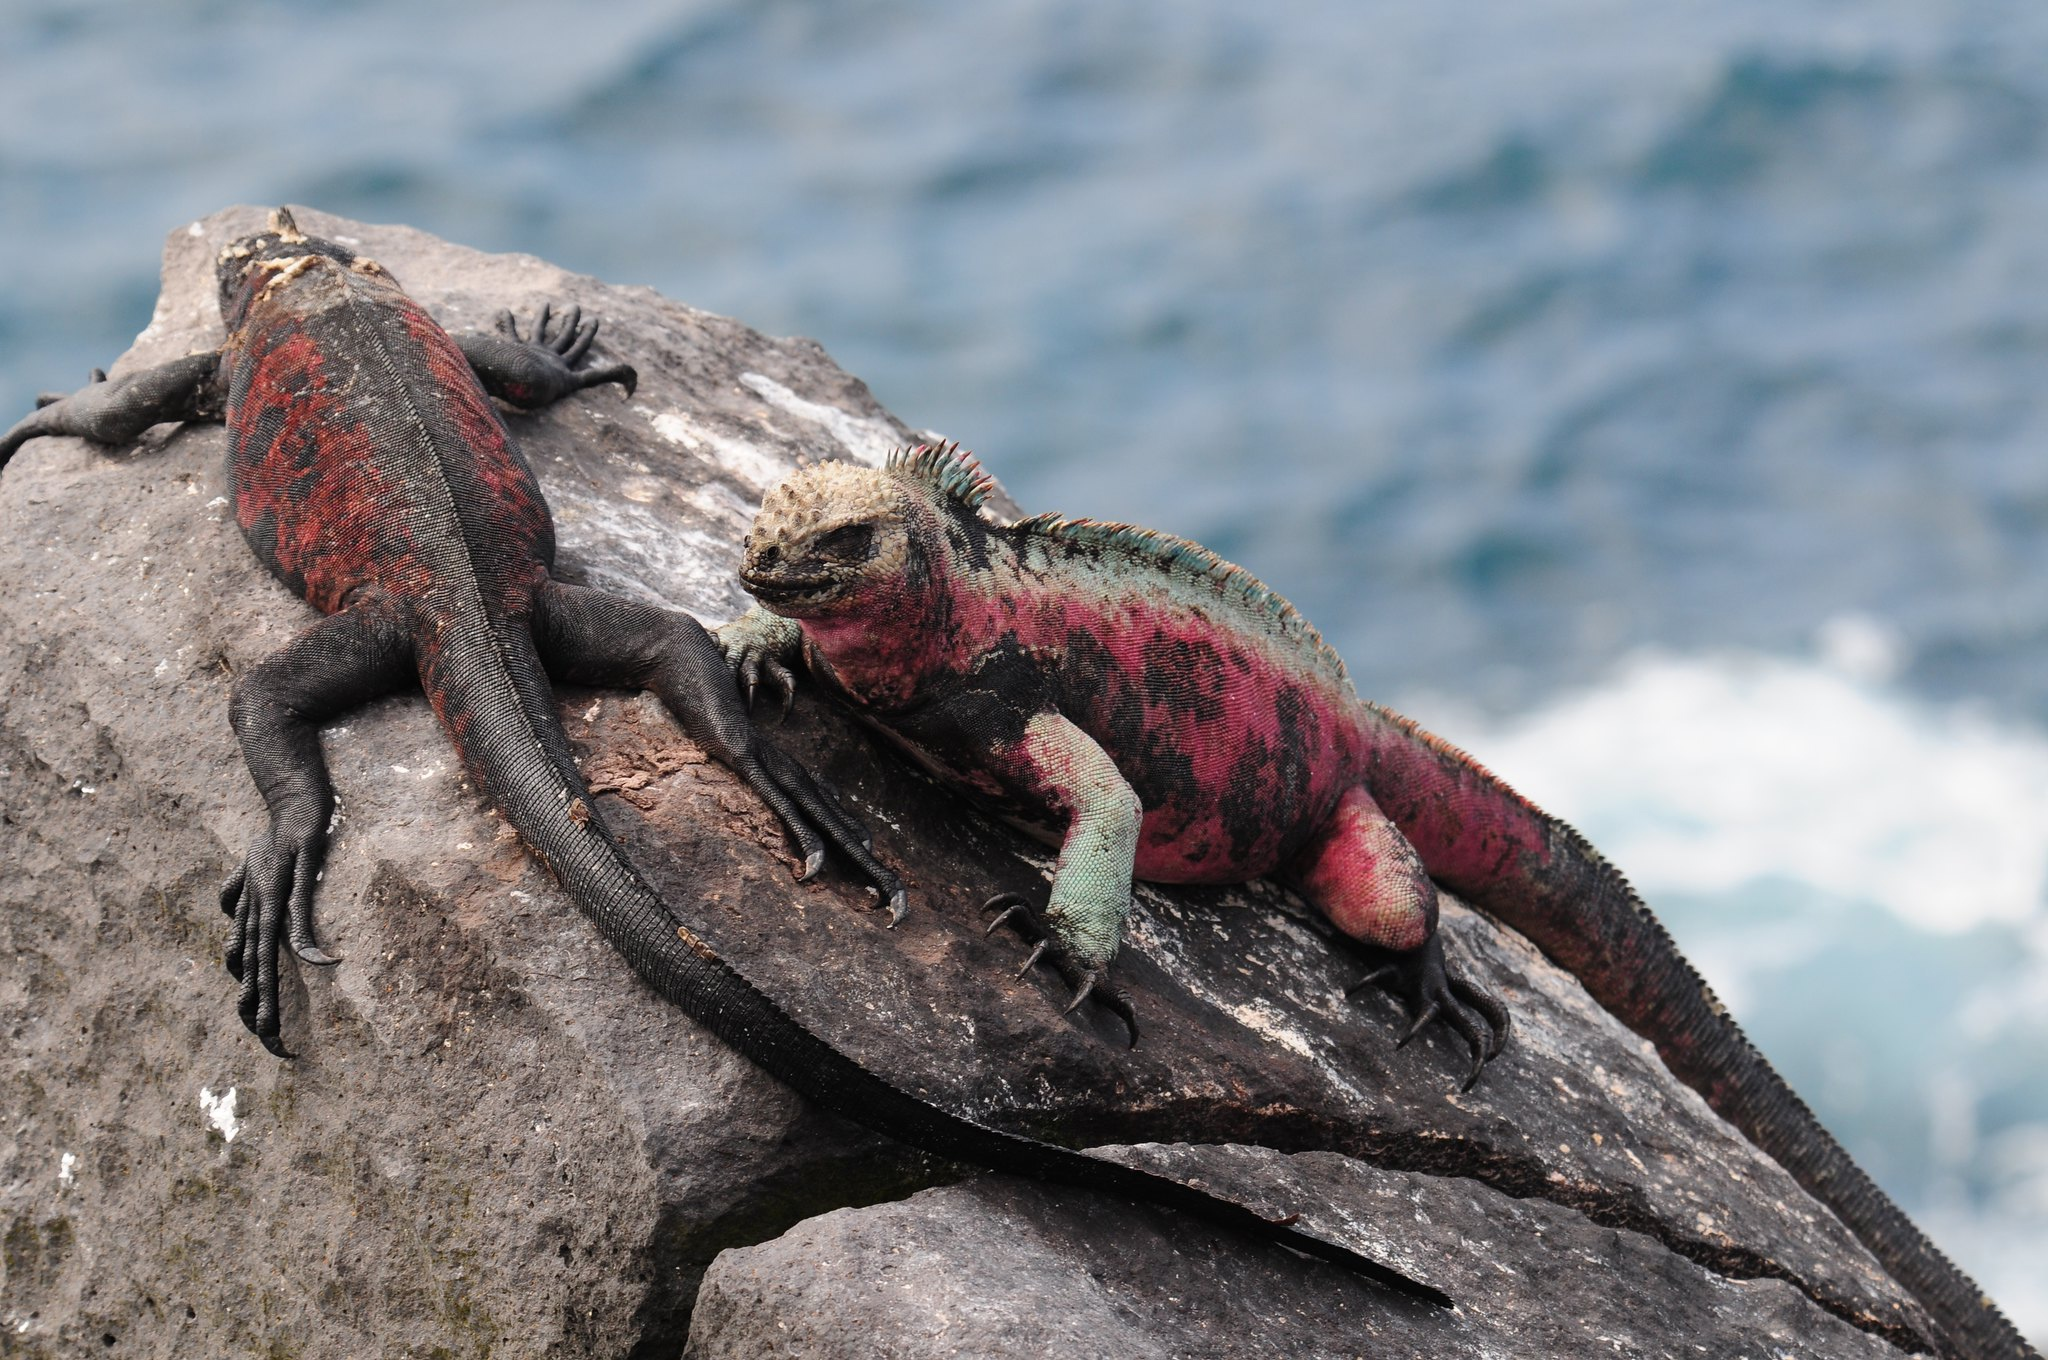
1158	713
372	474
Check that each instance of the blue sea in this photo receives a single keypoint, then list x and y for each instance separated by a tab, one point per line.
1651	397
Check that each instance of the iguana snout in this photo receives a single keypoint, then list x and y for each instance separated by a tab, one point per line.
826	540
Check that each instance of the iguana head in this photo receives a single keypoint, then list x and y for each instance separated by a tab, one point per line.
834	539
278	253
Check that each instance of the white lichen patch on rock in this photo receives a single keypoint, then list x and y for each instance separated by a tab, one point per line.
220	1113
867	439
626	548
736	458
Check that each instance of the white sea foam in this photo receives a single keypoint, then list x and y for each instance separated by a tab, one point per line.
1703	773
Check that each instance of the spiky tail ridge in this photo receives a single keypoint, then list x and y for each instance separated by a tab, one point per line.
1489	845
492	694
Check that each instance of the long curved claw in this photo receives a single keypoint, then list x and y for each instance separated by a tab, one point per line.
779	676
1455	1016
1012	905
1038	953
1088	981
1095	983
748	673
1120	1006
625	375
1490	1009
1429	1013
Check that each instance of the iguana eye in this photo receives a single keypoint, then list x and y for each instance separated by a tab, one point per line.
848	541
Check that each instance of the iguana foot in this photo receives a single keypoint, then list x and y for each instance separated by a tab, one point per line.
759	646
1086	981
116	411
1425	983
272	894
819	811
532	370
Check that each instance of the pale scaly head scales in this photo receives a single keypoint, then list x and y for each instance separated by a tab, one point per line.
249	265
835	539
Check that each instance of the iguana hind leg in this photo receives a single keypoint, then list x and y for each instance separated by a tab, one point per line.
591	638
1362	873
277	706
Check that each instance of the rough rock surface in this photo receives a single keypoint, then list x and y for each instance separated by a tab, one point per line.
1004	1268
497	1142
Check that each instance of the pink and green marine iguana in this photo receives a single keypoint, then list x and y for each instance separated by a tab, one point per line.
1158	713
371	473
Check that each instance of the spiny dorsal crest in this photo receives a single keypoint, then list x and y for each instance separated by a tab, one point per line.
1189	560
947	469
285	225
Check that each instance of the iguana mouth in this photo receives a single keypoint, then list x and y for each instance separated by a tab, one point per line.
787	589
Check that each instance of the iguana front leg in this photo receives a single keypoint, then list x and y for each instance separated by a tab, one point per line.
1053	771
115	411
532	372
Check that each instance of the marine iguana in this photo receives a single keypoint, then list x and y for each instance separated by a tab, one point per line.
1157	712
372	474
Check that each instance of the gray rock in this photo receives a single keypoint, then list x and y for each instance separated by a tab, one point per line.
496	1141
1007	1268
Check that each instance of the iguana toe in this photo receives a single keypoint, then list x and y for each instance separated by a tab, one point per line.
1489	1007
1428	1013
1094	983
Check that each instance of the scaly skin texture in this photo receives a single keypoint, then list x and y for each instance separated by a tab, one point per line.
1157	713
372	474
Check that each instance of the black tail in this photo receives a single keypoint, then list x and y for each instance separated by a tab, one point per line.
496	698
1489	845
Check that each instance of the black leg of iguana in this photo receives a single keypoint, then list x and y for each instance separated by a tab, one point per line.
589	637
277	707
114	412
531	371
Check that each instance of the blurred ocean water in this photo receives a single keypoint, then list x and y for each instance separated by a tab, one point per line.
1646	396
